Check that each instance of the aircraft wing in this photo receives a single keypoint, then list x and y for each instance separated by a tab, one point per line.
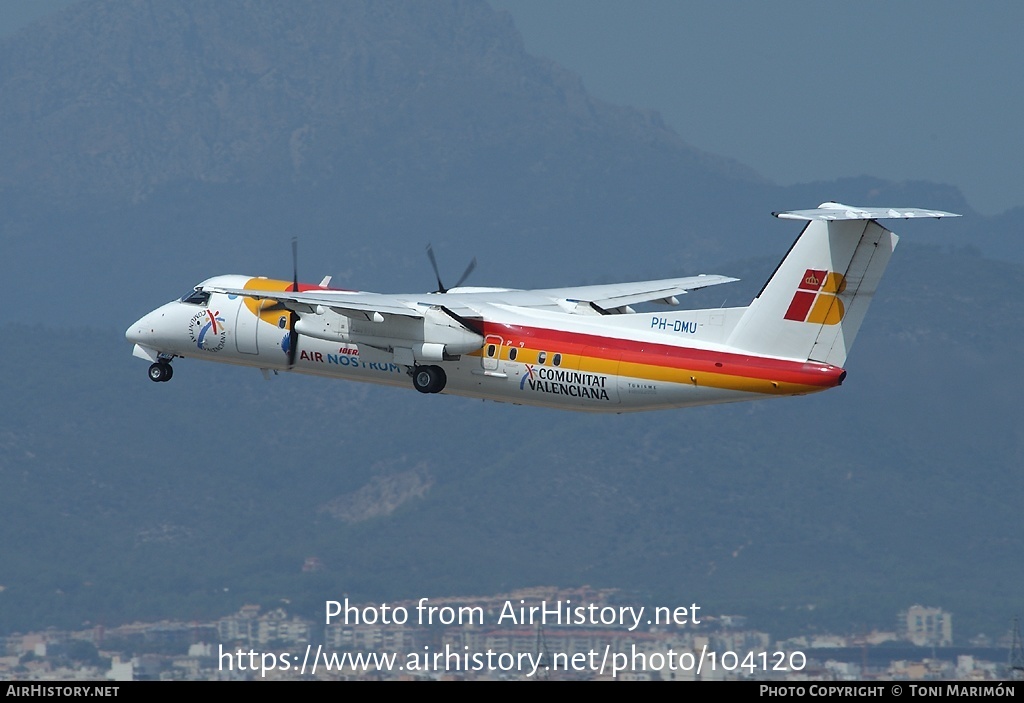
348	303
611	297
619	295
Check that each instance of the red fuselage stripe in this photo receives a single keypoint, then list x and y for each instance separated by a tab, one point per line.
666	355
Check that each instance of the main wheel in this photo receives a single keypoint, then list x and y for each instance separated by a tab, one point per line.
440	379
429	379
422	379
160	372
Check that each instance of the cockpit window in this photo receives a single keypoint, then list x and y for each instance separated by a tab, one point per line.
196	297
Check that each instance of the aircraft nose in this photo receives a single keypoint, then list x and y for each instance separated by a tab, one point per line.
137	332
141	330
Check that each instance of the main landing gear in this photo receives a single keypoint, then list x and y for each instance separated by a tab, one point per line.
160	372
429	379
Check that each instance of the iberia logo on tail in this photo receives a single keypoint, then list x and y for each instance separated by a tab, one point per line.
816	299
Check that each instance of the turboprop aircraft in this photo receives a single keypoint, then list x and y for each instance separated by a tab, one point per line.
580	348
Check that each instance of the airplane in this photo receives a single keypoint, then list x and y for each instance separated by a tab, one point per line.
582	348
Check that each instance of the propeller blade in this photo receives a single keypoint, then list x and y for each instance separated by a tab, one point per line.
293	336
469	270
437	273
293	340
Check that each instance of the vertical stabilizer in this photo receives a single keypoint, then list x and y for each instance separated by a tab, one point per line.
813	305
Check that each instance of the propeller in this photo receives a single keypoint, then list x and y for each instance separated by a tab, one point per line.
437	273
293	336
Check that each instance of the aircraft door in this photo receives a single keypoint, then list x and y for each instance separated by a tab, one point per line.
247	328
491	352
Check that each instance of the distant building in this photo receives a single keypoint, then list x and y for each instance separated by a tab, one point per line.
121	670
251	628
926	626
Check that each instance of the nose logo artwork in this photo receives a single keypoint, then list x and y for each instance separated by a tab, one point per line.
817	298
206	330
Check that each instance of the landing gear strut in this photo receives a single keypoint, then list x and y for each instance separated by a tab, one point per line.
160	372
429	379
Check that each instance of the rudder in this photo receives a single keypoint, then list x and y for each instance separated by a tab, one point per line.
814	303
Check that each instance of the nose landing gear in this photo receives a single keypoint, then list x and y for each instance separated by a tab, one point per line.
160	372
429	379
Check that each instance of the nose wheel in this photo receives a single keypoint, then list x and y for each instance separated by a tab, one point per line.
160	372
429	379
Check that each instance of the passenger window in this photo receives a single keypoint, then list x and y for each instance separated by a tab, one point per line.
490	350
556	360
512	354
282	321
541	357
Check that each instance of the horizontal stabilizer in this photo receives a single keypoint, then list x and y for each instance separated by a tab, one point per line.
838	211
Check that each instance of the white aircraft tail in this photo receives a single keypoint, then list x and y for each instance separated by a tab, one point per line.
813	305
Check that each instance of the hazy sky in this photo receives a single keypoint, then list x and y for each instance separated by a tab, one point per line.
799	90
805	90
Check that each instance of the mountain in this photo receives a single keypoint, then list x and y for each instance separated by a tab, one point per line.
124	499
173	133
148	145
120	98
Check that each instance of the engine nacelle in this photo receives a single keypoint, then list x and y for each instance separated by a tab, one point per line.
326	324
433	337
441	328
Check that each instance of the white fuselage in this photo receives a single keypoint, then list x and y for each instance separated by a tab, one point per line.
548	357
